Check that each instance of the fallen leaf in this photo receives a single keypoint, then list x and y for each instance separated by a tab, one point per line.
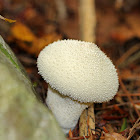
127	30
21	32
70	134
87	122
29	42
109	128
114	136
43	41
38	44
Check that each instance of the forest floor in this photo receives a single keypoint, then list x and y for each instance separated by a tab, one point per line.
39	23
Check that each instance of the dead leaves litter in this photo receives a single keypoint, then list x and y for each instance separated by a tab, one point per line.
114	136
28	41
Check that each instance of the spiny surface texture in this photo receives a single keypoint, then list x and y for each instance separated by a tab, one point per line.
79	70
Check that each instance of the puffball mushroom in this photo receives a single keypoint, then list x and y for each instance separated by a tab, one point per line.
78	74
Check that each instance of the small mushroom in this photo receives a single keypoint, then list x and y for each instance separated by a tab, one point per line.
78	74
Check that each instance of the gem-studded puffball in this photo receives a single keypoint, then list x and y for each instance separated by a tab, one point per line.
78	69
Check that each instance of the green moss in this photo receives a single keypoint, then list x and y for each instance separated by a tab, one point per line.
3	50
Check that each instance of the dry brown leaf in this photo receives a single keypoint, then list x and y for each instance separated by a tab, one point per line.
87	122
114	136
128	74
21	32
24	37
127	30
122	33
70	134
40	43
110	128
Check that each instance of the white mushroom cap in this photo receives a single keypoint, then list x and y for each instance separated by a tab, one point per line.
79	70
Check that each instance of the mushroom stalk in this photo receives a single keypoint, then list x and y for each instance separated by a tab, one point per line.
66	110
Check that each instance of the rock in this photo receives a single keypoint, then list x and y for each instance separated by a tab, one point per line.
22	116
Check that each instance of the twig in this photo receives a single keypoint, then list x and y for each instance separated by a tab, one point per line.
134	129
131	94
132	59
87	29
79	138
87	20
6	19
61	9
128	95
121	104
128	53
